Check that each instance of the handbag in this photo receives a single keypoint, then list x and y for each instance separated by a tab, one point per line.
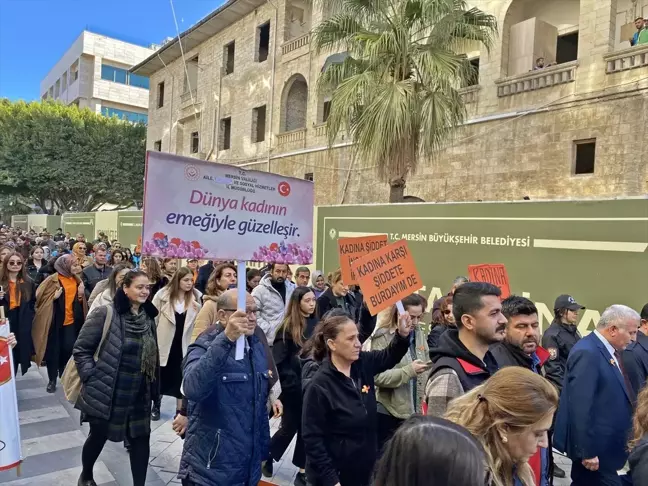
71	381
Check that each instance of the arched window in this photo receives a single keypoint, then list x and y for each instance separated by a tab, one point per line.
294	104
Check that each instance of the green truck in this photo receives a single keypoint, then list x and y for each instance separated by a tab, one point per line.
594	250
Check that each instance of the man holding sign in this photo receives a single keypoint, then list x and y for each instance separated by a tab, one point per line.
228	434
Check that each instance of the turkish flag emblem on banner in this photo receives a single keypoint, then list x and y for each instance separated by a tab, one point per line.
10	454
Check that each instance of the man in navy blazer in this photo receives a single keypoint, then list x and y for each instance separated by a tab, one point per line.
594	417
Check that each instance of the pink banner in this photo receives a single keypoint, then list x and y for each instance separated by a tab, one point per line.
198	209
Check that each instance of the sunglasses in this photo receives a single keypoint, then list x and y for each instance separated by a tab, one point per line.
14	263
447	312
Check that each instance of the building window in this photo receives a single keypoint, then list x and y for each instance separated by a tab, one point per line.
259	124
225	133
195	142
57	88
64	81
567	48
472	79
191	76
160	95
228	57
584	156
138	81
74	71
326	110
263	42
308	176
124	115
122	76
157	145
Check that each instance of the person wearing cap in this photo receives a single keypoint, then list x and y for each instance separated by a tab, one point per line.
558	340
635	356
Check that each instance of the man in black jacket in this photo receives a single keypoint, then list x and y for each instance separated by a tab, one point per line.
97	272
462	360
203	276
521	348
635	356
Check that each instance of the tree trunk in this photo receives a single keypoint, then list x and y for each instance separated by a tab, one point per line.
397	190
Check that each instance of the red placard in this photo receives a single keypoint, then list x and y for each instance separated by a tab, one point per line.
494	273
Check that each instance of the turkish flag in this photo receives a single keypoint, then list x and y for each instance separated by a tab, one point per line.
5	361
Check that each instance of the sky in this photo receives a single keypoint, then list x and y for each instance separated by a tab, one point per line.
34	34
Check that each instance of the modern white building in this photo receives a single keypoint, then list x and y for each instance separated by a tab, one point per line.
93	73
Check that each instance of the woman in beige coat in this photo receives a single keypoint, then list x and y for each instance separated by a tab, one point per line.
222	278
178	305
400	391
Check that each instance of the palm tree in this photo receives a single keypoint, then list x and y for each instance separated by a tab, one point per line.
397	91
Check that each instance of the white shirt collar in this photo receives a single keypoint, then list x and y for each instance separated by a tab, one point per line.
606	343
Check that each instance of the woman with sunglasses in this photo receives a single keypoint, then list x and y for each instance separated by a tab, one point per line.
61	308
445	320
79	250
17	296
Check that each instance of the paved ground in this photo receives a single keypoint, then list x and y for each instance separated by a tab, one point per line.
52	440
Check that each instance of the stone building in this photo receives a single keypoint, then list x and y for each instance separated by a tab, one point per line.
93	73
247	96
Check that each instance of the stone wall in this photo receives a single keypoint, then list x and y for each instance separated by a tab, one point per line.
518	140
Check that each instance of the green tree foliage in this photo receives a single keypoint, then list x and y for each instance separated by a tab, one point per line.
397	91
63	158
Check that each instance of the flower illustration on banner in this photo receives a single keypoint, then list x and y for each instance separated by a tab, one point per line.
161	246
290	253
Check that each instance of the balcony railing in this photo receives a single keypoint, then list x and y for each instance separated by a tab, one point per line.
632	58
470	93
296	43
534	80
293	136
187	96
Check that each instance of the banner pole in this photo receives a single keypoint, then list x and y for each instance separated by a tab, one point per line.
240	304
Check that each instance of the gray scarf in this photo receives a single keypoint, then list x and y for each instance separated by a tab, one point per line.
141	324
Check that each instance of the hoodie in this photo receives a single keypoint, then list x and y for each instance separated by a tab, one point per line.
455	371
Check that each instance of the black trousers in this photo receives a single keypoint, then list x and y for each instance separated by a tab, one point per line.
139	453
581	476
387	425
60	343
290	425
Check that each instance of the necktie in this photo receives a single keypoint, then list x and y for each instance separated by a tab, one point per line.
628	385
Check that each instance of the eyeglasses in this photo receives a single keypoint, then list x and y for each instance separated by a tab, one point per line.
447	312
14	263
247	311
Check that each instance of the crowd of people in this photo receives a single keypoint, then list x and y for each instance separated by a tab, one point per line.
475	397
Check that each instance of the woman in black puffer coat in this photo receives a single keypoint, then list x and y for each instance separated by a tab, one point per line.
119	388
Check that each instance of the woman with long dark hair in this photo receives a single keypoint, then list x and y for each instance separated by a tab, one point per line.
252	279
444	320
297	327
339	412
119	387
61	308
221	279
178	305
151	266
104	292
18	297
117	257
35	262
427	447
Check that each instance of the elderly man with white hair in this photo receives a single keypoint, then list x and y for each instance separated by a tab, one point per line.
594	418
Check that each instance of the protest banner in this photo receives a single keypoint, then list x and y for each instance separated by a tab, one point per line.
350	249
10	453
387	275
198	209
494	273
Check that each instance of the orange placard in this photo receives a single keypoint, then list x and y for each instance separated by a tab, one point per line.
494	273
387	276
350	249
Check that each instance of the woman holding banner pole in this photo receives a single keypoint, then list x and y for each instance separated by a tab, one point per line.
339	412
17	296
